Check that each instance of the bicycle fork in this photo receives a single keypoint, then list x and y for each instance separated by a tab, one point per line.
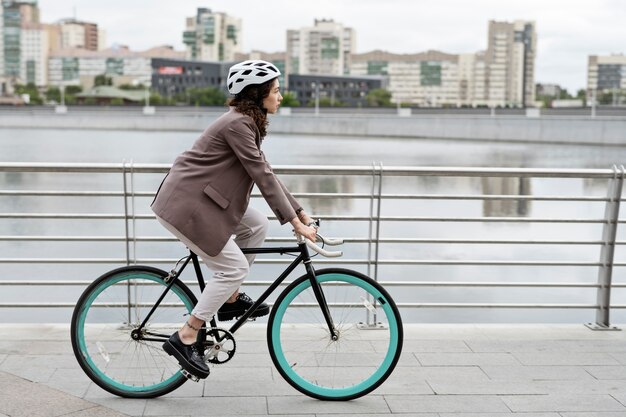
321	299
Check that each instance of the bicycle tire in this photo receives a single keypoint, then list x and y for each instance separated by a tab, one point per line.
102	337
355	364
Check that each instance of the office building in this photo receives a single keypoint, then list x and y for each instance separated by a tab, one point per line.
503	75
174	76
425	79
324	49
606	73
211	36
343	90
79	66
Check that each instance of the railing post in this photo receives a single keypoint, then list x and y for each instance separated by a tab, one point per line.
372	318
126	214
607	253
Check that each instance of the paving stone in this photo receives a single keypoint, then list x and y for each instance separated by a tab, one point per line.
621	397
371	404
446	404
435	346
488	346
94	412
248	387
498	415
403	381
22	398
594	414
606	372
77	387
620	357
129	406
206	406
536	373
590	387
465	359
486	388
565	358
563	403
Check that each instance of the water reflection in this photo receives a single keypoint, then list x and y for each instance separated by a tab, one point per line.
506	186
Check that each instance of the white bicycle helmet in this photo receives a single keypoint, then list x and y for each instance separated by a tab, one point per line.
248	73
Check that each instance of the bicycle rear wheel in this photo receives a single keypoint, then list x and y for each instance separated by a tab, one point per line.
116	356
369	339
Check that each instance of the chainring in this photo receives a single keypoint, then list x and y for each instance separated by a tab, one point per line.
220	346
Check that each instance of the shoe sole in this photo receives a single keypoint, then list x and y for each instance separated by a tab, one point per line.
227	315
182	361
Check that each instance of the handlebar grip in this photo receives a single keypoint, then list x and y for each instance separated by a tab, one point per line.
323	252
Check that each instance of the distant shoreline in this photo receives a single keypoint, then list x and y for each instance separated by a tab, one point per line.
502	128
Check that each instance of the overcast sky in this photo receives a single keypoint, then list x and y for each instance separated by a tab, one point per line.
568	30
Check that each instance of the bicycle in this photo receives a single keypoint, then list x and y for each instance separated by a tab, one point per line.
317	334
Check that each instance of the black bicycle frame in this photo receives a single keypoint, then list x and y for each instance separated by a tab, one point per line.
303	256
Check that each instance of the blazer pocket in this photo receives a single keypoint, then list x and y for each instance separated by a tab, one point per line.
215	195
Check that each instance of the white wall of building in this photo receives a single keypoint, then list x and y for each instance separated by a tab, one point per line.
34	52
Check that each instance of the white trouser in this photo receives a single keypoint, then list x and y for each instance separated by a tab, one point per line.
230	266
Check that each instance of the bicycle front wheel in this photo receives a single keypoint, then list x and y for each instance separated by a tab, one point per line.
107	342
368	326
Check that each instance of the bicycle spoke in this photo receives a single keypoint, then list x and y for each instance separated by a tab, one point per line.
115	359
320	366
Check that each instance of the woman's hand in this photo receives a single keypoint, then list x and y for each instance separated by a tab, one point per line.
302	229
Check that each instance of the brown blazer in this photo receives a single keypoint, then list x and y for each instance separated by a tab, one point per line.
207	190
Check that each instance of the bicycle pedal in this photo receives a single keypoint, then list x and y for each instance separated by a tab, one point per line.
189	375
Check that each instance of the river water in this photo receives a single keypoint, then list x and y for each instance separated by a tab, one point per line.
115	146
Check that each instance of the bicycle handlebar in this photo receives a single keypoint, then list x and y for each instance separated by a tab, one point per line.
327	241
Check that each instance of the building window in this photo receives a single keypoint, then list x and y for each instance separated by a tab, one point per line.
115	66
430	74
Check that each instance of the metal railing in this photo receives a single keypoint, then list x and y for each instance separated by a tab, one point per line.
373	197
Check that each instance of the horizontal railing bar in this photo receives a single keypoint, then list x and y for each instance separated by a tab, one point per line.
111	216
481	197
323	261
384	283
400	305
279	239
324	170
29	193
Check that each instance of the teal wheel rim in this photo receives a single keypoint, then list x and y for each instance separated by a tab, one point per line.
83	345
342	392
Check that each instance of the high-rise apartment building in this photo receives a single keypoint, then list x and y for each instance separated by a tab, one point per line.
77	34
325	48
510	61
211	36
23	44
606	73
428	78
501	76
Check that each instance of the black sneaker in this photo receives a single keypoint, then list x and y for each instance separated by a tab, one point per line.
188	356
237	309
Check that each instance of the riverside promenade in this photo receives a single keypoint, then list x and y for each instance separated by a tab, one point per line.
465	370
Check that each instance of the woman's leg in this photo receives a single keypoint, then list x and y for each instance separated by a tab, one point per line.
250	233
230	268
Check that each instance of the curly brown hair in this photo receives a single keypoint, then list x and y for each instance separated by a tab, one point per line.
250	102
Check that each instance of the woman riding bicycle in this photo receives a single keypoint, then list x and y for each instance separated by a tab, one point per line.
203	201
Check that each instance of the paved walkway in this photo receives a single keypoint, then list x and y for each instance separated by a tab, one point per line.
445	371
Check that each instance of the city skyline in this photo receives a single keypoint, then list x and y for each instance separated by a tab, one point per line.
568	31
